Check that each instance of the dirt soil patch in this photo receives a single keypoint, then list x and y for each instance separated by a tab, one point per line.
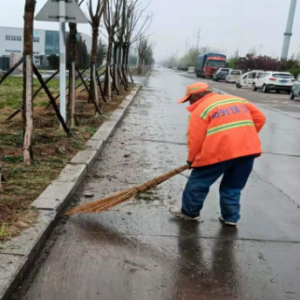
53	149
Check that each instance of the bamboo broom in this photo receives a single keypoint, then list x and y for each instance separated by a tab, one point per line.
120	197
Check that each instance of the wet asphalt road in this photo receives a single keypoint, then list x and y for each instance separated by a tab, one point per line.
138	251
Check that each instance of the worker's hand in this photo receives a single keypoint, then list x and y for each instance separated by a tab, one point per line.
189	163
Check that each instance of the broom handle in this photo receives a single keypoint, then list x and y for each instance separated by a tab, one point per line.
160	179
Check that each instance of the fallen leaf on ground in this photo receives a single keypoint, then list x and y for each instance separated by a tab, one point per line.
22	225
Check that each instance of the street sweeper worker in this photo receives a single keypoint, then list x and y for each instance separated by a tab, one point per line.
222	140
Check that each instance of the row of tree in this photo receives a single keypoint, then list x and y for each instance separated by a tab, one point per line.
125	25
250	62
122	20
188	60
82	58
263	62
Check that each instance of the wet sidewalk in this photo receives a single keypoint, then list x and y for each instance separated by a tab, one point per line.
137	251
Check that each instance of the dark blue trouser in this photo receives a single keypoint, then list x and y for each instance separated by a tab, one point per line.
236	173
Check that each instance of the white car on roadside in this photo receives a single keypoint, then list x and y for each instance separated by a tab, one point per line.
247	79
191	70
277	81
233	76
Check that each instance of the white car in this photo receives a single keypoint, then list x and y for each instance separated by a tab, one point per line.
247	79
233	76
278	81
191	70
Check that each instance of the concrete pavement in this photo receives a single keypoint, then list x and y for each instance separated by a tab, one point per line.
137	251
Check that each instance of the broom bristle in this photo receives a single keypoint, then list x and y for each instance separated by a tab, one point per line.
120	197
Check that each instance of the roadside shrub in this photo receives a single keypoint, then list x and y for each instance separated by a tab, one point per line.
295	71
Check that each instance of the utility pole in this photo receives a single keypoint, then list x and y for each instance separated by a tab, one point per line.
186	45
198	38
288	32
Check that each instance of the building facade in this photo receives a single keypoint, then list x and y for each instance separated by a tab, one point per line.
45	43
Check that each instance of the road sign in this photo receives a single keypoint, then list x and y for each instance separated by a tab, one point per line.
62	11
51	13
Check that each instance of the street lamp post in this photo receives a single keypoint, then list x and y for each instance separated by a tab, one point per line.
288	32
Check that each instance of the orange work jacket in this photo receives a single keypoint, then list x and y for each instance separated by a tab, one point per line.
223	127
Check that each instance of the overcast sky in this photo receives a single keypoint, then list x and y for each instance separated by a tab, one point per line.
227	25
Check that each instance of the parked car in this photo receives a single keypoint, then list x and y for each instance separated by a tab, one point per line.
221	74
233	76
174	68
191	70
295	92
248	78
278	81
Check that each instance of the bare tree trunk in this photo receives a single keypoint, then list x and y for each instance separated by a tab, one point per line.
128	70
28	82
72	71
28	135
93	87
88	90
115	66
0	175
120	68
107	83
121	43
72	94
125	64
95	23
140	66
143	66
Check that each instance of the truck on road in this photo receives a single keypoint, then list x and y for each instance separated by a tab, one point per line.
208	64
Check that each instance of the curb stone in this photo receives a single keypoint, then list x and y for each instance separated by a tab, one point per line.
18	254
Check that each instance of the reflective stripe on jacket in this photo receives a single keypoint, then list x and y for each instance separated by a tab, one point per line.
223	127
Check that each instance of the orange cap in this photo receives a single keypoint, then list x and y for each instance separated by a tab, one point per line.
195	88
